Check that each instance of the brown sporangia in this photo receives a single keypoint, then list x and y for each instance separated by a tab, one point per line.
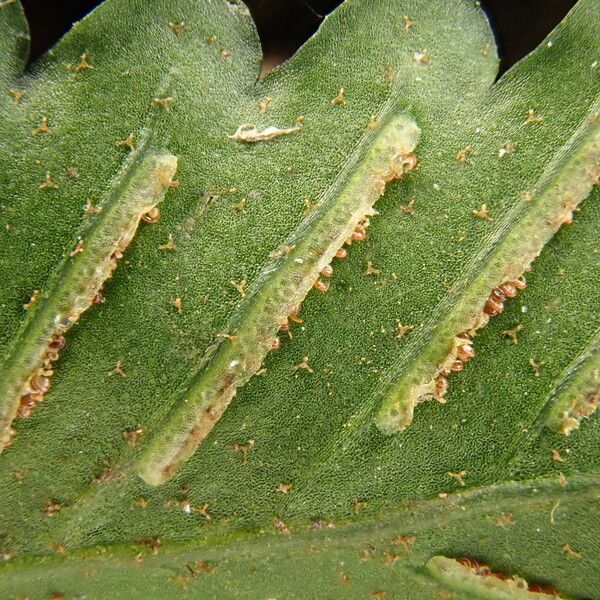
34	297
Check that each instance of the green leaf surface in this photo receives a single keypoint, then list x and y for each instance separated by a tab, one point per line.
325	468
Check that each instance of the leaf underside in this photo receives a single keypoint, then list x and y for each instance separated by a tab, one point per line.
295	492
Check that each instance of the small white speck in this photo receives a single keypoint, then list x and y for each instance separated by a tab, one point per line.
594	65
524	309
478	130
550	43
436	187
299	260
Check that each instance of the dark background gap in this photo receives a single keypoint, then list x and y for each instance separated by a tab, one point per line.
284	25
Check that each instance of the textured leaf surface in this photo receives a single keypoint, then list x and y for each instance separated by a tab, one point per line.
296	492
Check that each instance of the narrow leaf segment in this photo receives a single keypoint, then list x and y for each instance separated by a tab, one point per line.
77	281
578	395
567	181
382	156
467	576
